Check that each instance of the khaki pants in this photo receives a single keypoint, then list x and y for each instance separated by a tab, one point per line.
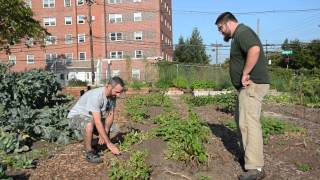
248	111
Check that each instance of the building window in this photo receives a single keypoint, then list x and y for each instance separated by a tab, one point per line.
12	59
67	20
81	19
68	58
116	55
49	21
48	3
136	74
116	36
137	16
114	1
138	54
29	42
67	3
81	38
80	2
68	39
115	18
82	56
51	57
28	3
137	35
136	0
30	59
50	40
115	72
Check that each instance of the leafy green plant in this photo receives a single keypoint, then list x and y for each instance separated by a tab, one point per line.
185	138
3	169
138	85
10	142
18	161
135	168
131	138
226	101
202	84
180	82
270	126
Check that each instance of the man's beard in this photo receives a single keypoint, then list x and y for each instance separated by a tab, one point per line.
226	37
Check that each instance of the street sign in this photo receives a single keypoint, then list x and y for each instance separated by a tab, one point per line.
287	52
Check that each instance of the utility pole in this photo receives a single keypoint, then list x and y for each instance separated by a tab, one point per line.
216	50
89	3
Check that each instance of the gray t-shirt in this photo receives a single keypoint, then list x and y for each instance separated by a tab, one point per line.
93	101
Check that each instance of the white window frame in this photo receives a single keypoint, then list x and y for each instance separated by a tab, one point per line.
138	55
52	56
68	60
50	40
81	19
116	36
137	17
48	3
115	18
138	35
115	72
67	40
49	21
81	38
85	56
116	55
68	20
114	1
30	59
29	42
80	2
135	72
12	59
136	1
67	5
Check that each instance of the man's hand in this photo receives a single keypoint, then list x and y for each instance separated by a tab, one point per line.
114	149
101	141
245	80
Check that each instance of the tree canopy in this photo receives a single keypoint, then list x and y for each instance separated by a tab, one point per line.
191	50
17	23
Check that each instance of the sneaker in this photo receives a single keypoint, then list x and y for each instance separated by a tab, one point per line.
93	157
252	174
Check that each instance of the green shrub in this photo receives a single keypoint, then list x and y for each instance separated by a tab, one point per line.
77	82
202	84
138	85
180	82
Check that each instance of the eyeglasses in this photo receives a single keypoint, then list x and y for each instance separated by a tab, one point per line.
220	27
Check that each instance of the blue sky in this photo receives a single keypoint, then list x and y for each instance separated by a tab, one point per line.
273	27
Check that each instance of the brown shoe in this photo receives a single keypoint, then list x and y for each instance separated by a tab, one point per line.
253	174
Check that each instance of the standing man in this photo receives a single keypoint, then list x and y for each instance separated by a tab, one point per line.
248	72
87	114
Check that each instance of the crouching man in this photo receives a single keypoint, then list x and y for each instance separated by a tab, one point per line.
87	113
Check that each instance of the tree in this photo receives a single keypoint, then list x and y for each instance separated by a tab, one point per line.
192	50
17	23
179	50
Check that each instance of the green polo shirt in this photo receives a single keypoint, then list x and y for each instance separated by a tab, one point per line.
243	39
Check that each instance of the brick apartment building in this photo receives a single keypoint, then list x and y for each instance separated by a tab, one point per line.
139	29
